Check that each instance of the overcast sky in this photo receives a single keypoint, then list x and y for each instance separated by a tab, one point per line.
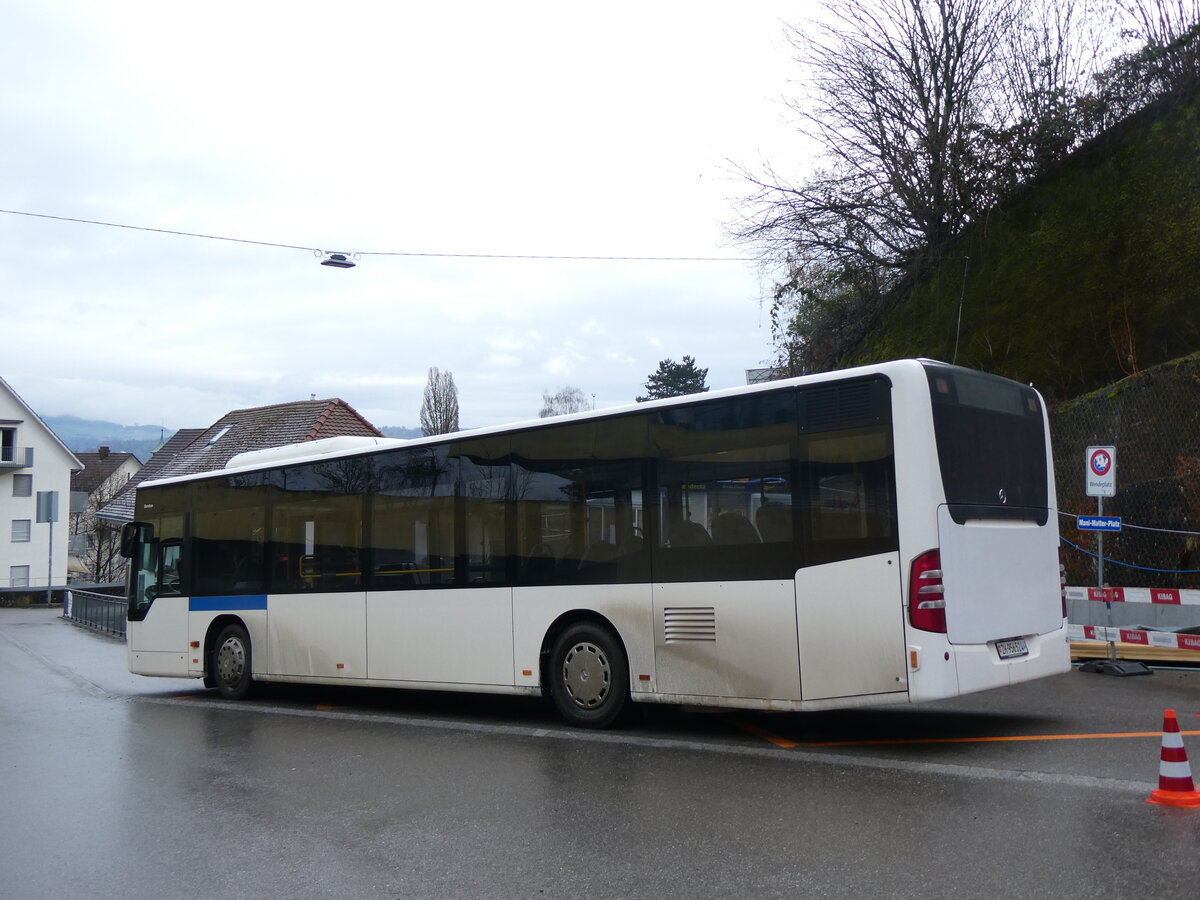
392	127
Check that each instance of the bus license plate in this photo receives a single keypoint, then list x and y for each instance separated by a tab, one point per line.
1012	649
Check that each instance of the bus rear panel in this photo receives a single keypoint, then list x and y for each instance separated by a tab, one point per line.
985	601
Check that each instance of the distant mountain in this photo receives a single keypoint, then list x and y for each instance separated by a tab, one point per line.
89	435
399	431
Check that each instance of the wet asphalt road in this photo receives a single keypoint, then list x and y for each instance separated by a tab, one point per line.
114	785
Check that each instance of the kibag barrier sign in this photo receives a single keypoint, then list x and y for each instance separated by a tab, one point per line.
1134	635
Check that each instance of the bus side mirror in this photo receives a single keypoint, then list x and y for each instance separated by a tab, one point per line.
132	536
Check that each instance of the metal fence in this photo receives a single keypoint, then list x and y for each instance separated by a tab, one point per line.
1153	419
103	612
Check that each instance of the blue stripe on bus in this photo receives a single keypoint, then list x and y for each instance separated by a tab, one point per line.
219	604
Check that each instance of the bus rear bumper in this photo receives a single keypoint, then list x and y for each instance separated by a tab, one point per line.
980	667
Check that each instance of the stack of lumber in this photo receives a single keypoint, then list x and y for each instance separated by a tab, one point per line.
1083	650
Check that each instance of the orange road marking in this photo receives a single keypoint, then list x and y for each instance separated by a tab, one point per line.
762	733
788	744
995	739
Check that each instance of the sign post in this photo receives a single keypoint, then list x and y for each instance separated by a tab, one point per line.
47	511
1100	481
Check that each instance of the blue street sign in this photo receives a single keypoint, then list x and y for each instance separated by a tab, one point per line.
1098	523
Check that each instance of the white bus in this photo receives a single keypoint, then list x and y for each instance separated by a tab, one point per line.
876	535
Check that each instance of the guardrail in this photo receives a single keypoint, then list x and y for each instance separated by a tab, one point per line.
1168	640
1157	596
103	612
1151	638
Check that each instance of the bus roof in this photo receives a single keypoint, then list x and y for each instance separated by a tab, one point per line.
347	446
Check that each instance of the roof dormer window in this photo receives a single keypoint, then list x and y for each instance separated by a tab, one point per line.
220	434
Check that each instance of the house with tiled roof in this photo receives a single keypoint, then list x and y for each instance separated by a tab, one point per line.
94	547
103	468
243	430
119	510
264	427
33	461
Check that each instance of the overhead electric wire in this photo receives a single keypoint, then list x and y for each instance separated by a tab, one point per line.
358	253
211	237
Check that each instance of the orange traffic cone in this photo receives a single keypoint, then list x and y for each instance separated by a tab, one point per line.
1175	785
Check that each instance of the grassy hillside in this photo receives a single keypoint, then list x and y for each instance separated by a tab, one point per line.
1092	274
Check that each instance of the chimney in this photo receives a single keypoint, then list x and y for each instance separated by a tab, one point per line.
104	452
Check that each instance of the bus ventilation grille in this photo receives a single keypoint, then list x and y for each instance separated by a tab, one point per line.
837	405
690	623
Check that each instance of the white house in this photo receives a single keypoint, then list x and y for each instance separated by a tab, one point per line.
32	460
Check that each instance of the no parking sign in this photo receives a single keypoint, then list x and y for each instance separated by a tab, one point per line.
1100	471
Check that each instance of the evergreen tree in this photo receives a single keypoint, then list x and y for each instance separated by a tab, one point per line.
675	379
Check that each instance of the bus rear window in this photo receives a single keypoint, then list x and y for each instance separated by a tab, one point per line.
991	445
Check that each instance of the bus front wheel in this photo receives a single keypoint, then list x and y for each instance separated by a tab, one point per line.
231	662
589	677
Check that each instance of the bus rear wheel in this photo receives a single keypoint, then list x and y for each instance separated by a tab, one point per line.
589	676
231	662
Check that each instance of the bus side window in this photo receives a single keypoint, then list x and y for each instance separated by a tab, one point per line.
412	519
725	478
228	547
316	525
170	556
851	508
481	486
578	492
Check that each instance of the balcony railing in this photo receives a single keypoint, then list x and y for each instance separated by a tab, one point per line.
16	457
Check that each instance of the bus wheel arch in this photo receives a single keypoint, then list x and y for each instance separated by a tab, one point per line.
585	669
230	657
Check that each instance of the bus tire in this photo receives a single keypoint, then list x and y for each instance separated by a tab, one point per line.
589	676
231	662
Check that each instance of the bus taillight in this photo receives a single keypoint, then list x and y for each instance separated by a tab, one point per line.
1062	582
926	593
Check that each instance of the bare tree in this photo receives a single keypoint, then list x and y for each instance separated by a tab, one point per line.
930	113
97	542
898	89
568	399
1048	57
439	404
1170	31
